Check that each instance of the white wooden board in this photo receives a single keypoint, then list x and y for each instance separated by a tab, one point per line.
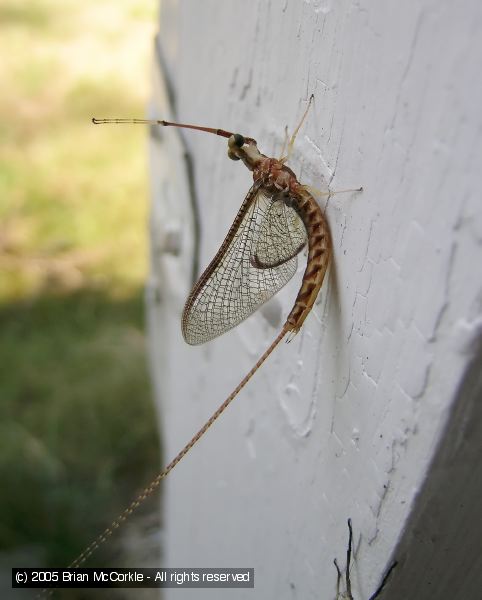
345	420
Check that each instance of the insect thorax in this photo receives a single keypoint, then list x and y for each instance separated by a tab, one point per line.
275	176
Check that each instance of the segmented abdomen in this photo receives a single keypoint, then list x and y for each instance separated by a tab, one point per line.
319	254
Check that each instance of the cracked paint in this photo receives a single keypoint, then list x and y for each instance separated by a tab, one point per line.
343	421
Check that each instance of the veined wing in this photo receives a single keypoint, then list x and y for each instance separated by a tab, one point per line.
281	235
256	259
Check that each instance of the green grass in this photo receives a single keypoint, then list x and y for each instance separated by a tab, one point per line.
76	417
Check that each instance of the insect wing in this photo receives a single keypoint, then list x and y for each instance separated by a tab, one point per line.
282	235
232	287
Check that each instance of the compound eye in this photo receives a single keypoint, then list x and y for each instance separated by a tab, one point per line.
232	156
236	140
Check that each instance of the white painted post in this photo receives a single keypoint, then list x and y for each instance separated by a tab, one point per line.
371	412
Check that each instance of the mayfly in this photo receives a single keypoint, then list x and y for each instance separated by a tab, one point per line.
277	220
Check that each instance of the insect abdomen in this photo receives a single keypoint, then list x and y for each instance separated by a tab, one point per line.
319	254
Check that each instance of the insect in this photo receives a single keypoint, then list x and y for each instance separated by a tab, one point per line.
277	220
347	594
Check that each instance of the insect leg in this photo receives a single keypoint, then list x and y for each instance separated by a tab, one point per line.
338	578
284	146
348	560
316	192
291	143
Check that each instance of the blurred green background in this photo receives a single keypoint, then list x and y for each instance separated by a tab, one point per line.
77	423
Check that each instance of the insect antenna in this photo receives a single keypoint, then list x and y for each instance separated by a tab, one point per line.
215	131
